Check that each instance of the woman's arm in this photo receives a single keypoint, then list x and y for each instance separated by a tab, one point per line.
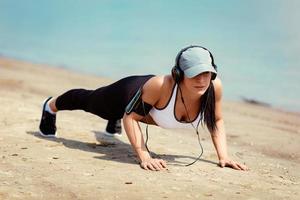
219	136
151	94
136	139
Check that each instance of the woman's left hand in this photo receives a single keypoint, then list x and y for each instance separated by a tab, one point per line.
232	164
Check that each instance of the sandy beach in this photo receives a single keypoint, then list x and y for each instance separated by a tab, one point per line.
84	164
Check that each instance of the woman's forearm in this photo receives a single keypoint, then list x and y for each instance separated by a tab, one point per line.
135	137
219	140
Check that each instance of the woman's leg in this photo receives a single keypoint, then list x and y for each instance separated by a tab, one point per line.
76	99
52	105
113	128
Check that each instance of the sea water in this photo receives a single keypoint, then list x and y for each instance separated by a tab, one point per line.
255	43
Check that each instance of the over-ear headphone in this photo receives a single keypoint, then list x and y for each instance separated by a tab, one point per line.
177	72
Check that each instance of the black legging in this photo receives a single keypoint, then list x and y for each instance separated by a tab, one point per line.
107	102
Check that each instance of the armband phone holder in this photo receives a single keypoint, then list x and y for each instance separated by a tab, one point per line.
134	101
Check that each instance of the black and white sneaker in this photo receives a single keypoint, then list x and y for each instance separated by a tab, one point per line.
47	124
113	128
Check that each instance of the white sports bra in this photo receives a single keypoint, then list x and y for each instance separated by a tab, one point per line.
165	117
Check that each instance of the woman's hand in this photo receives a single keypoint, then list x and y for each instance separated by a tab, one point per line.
232	164
153	164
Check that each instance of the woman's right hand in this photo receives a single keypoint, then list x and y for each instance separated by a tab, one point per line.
153	164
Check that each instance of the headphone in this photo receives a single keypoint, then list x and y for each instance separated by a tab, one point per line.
177	72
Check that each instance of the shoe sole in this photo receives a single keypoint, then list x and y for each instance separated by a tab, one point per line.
112	135
47	136
43	108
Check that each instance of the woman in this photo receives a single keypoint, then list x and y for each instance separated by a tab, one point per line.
192	94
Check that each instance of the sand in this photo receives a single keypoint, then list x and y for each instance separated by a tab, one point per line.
83	164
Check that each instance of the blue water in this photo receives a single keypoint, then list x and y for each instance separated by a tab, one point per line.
255	43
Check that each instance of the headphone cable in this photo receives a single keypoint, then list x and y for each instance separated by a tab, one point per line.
147	135
195	128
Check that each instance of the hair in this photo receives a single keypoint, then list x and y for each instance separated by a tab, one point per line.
207	108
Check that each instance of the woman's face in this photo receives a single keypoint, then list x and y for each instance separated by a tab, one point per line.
198	84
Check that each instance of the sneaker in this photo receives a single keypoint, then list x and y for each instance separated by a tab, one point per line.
47	124
113	128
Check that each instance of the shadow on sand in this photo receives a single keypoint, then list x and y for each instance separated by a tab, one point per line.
115	149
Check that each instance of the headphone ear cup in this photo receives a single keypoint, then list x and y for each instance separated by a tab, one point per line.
213	76
177	74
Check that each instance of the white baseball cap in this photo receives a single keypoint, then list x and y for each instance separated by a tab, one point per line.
196	60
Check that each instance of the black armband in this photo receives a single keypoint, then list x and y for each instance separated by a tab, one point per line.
137	105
